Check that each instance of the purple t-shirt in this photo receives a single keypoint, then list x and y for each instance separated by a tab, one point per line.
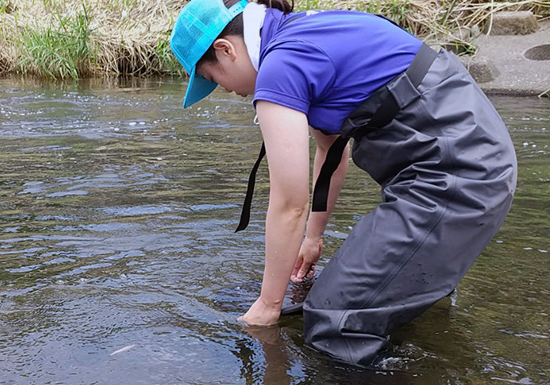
325	64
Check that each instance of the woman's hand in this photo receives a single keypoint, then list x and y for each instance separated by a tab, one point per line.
261	314
310	251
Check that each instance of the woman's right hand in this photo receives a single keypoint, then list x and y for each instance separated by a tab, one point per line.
310	252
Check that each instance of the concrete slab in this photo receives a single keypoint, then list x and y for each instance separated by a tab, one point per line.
513	23
512	64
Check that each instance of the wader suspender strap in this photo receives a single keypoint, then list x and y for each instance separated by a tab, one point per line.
383	115
322	185
245	214
416	72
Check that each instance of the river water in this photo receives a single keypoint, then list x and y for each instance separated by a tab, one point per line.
119	263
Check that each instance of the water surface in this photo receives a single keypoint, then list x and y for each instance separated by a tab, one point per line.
119	263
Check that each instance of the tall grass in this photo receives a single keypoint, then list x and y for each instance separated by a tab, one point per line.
433	18
450	23
74	38
61	50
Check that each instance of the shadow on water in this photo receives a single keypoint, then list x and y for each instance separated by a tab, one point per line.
119	265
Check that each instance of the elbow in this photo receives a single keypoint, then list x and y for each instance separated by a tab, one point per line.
294	217
297	213
292	209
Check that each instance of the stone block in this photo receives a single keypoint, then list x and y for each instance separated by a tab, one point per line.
481	69
513	23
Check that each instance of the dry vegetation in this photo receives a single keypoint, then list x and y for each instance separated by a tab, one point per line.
72	39
432	18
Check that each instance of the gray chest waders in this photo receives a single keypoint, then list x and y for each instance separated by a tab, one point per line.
447	169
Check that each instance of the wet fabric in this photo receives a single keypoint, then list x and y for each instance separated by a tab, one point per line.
447	169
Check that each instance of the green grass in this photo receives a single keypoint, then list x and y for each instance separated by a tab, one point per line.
72	39
62	52
7	6
167	62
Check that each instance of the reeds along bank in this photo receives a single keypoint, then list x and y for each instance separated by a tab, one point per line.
75	39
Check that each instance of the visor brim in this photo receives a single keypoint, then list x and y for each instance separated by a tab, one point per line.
198	89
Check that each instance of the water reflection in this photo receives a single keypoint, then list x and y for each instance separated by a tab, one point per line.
275	348
118	261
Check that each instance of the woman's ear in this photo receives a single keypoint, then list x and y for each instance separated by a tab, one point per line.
225	48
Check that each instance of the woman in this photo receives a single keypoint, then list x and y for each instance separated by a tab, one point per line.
421	128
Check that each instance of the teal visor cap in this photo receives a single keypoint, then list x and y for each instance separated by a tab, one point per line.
199	23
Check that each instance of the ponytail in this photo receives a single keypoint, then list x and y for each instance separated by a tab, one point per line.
281	5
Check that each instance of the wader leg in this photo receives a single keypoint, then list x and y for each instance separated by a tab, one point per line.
399	260
448	189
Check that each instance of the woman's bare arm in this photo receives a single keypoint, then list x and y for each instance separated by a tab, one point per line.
285	133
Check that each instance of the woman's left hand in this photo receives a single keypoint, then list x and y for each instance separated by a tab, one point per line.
261	314
307	259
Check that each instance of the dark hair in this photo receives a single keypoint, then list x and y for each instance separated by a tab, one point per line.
235	26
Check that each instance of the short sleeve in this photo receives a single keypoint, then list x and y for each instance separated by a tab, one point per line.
294	74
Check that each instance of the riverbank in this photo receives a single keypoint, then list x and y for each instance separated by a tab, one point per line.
512	63
75	39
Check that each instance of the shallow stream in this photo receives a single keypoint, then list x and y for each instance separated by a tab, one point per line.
119	263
